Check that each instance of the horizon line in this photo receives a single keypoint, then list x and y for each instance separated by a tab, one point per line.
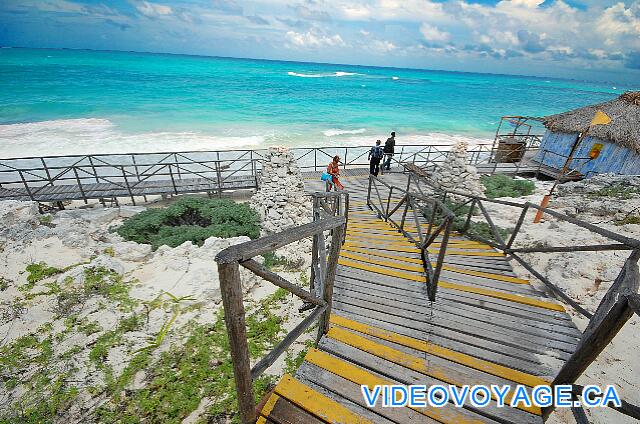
317	63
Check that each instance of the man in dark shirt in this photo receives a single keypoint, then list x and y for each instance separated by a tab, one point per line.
389	148
375	156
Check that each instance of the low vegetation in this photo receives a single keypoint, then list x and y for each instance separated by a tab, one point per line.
616	191
180	368
476	228
201	368
631	219
191	219
503	186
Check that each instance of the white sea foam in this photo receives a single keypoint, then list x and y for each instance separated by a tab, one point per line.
335	132
434	139
334	74
92	135
395	78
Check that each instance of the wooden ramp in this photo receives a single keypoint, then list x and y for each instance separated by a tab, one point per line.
486	327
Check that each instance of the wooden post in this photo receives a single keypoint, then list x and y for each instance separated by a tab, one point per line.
516	229
467	223
135	167
46	170
441	254
234	318
404	213
314	246
330	276
612	314
173	181
93	168
219	175
26	186
346	215
386	213
126	182
84	197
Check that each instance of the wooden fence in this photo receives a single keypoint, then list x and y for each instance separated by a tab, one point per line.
617	306
329	215
132	175
440	222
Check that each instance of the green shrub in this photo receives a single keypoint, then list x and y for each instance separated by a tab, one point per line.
191	219
504	186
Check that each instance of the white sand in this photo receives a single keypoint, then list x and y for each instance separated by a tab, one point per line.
80	238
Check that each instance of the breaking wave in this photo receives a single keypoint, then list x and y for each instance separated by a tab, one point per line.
93	135
334	74
334	132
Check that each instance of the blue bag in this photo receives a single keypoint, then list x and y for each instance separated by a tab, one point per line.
325	176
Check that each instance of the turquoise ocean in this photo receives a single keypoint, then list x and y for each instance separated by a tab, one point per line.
55	102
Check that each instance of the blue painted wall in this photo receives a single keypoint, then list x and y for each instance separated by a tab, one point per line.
613	158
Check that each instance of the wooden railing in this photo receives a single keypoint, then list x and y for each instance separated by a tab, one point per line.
127	175
84	177
329	215
439	222
617	305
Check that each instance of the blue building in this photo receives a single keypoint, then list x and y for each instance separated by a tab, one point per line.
612	148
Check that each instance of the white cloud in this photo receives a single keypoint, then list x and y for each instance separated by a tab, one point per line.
311	39
153	10
383	46
618	22
432	33
527	3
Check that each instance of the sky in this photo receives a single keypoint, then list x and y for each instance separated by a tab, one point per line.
577	39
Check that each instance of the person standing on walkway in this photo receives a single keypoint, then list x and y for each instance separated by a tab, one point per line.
389	148
375	156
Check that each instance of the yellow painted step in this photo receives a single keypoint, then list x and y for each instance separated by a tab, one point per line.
467	252
361	377
460	287
394	247
316	403
420	365
433	349
492	276
382	262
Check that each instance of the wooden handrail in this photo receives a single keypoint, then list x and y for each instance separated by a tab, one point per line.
619	303
323	265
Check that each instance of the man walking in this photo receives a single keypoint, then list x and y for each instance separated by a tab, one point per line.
389	148
375	156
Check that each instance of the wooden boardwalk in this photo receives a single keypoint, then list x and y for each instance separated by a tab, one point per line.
119	188
486	327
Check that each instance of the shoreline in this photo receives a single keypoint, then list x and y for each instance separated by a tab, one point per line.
70	137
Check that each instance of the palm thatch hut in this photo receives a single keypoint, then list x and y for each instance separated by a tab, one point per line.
612	148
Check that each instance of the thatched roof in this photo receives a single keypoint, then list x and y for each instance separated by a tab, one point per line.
624	128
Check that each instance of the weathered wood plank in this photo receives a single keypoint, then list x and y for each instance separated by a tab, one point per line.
405	375
454	295
526	362
347	394
455	332
515	336
468	311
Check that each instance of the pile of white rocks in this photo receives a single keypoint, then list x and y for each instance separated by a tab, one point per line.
455	174
282	202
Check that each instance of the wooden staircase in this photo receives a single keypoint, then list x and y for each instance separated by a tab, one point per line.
487	326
